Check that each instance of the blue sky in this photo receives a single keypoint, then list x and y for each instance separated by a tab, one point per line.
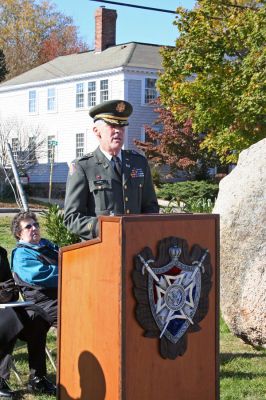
132	24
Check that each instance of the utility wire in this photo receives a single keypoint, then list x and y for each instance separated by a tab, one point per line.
135	6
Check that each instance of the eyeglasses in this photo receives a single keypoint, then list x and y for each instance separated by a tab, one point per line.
29	226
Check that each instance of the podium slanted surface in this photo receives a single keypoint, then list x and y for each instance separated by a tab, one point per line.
102	350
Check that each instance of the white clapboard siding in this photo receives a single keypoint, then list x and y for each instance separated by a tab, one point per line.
125	83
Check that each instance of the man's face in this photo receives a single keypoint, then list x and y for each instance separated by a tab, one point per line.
30	231
111	137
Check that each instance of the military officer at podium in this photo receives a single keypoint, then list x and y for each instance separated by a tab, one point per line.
108	181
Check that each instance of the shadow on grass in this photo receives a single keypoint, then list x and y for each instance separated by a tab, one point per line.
228	357
20	394
241	375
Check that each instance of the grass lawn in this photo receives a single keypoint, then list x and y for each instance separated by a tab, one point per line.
20	358
242	368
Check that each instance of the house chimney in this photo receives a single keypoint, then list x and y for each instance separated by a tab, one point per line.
105	28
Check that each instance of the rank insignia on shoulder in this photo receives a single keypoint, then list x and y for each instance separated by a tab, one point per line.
137	173
134	153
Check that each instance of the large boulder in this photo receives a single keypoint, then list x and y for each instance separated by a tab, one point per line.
241	204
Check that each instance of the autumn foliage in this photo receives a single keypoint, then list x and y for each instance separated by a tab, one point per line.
61	43
172	143
33	32
215	75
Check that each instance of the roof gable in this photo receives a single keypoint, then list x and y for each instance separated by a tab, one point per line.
134	55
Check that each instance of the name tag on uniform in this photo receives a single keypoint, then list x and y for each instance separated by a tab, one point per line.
100	182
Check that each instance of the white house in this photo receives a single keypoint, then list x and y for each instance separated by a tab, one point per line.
58	94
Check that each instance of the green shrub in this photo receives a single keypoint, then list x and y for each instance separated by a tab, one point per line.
190	196
156	176
55	228
188	191
6	194
197	206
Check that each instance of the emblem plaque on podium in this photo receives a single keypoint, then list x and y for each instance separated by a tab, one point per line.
172	293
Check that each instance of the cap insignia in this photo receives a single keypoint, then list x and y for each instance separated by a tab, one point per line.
121	107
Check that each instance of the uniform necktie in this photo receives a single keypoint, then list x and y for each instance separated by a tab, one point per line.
117	165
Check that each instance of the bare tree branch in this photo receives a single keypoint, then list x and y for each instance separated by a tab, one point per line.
27	142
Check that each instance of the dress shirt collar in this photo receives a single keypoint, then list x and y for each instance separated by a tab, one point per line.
109	156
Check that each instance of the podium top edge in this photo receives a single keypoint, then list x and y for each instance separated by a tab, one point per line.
159	216
141	217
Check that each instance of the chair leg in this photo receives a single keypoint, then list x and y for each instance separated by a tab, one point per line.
16	373
50	358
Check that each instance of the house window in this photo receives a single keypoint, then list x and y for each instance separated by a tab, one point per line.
150	90
32	149
91	94
32	101
50	148
15	148
104	90
51	99
79	95
79	144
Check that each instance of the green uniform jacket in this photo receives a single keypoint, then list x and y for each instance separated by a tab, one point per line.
93	189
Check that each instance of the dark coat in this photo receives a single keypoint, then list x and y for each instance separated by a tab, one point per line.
11	322
93	189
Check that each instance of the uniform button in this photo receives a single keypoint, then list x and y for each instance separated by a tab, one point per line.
126	198
128	211
125	186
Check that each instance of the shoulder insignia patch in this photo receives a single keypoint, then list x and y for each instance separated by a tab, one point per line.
72	168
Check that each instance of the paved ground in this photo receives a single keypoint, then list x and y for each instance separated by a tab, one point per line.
11	211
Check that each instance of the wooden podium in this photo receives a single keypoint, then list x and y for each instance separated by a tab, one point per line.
102	353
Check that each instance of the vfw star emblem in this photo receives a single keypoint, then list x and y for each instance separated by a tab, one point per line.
175	291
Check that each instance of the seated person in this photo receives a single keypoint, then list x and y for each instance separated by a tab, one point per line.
16	323
34	262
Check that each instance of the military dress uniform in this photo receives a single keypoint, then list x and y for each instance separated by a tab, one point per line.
94	188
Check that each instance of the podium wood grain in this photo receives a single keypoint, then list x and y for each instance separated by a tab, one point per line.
102	353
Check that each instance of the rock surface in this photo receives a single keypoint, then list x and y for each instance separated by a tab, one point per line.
241	204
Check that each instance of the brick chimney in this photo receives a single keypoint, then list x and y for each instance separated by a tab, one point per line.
105	28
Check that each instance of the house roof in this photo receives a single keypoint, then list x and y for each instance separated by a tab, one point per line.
137	55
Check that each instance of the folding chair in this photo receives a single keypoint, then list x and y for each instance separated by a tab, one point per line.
38	309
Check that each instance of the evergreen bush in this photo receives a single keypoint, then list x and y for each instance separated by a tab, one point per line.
188	191
191	196
55	228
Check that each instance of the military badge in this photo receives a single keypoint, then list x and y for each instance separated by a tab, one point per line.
172	293
137	173
121	107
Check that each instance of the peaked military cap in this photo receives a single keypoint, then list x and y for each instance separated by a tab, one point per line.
113	112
